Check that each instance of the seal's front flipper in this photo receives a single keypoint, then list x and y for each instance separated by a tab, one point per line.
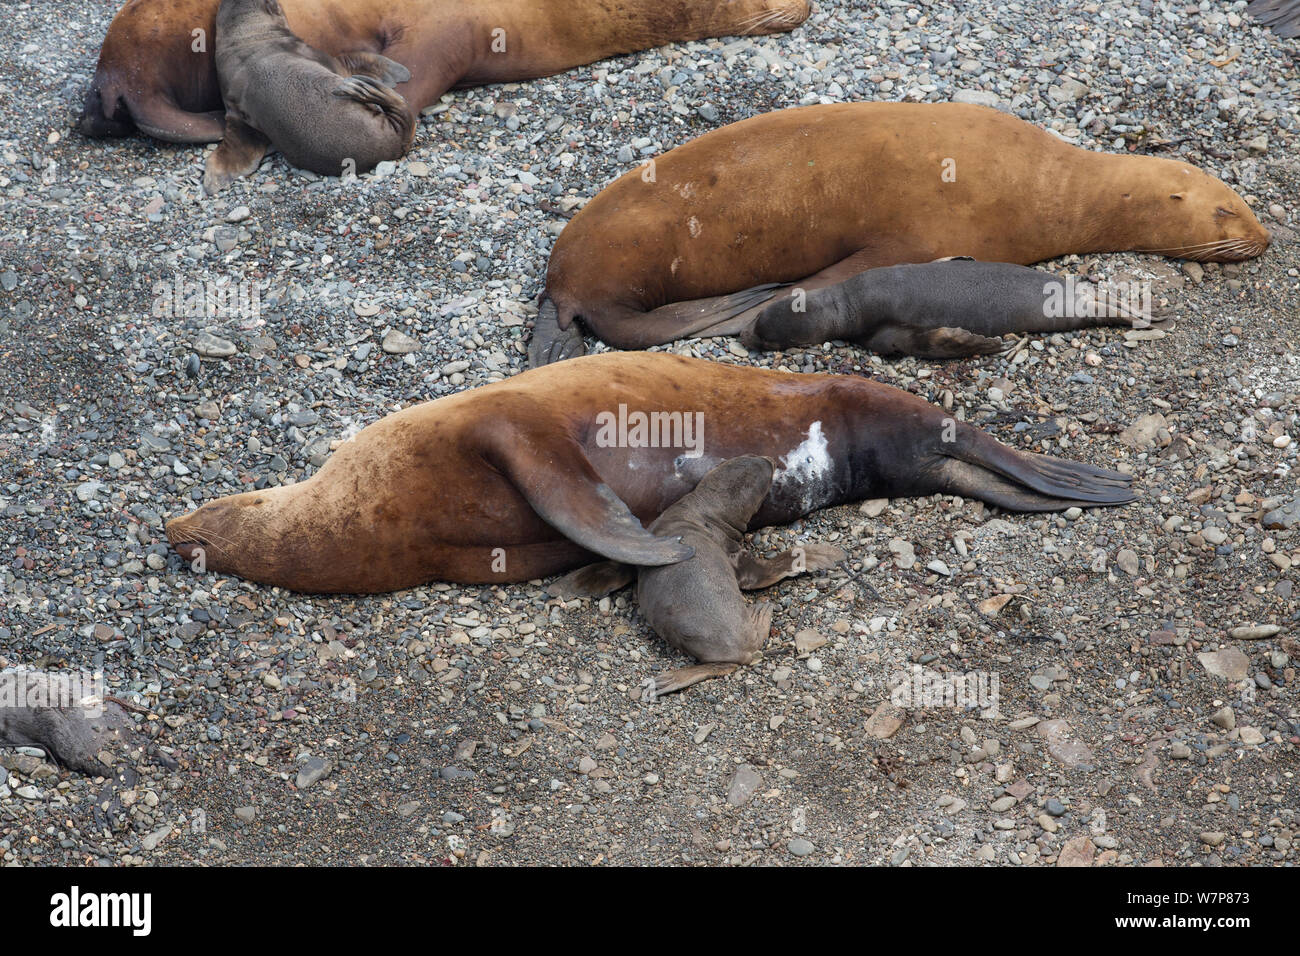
240	151
551	342
593	581
628	328
553	474
670	682
364	63
940	343
754	573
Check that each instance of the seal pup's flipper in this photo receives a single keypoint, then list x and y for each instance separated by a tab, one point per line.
751	643
240	152
941	343
552	342
375	65
554	476
754	573
593	581
370	92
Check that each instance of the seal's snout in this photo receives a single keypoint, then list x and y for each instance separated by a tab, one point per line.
188	550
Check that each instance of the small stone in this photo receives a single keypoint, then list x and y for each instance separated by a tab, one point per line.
1252	736
312	771
213	346
1225	718
1054	807
1142	434
744	784
992	606
399	343
1128	562
885	721
874	507
1077	852
1229	663
247	814
808	640
1213	837
1254	632
800	847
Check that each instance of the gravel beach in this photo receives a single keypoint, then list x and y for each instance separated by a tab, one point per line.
1144	657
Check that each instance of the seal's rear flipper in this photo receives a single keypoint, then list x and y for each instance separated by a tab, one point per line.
551	342
552	472
754	573
238	155
593	581
670	682
978	466
716	315
940	343
364	63
162	119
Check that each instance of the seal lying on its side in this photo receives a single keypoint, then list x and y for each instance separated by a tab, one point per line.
694	241
332	115
156	70
541	473
944	309
74	733
696	604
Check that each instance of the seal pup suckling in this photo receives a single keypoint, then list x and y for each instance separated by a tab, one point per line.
948	308
528	477
334	115
697	241
696	605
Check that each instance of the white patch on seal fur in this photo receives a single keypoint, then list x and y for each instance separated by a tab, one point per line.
807	468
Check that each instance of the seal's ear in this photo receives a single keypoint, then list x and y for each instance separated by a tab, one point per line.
272	7
1176	196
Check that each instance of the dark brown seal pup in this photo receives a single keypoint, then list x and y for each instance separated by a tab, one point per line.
546	471
814	195
696	604
157	73
34	712
332	115
944	309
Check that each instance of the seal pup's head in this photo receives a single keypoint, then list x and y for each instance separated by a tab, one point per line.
1184	212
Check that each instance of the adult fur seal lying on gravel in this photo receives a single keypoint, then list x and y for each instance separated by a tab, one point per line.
696	604
546	471
332	115
695	243
944	309
157	74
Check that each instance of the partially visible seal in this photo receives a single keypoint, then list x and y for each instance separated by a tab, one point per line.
157	74
696	604
330	114
694	242
557	467
944	309
74	733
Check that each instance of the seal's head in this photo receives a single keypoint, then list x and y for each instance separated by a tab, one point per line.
242	535
1186	213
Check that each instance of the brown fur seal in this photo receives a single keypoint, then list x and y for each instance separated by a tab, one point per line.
543	472
817	194
944	309
328	114
157	72
696	604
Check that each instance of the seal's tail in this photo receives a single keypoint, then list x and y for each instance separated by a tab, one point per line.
978	466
